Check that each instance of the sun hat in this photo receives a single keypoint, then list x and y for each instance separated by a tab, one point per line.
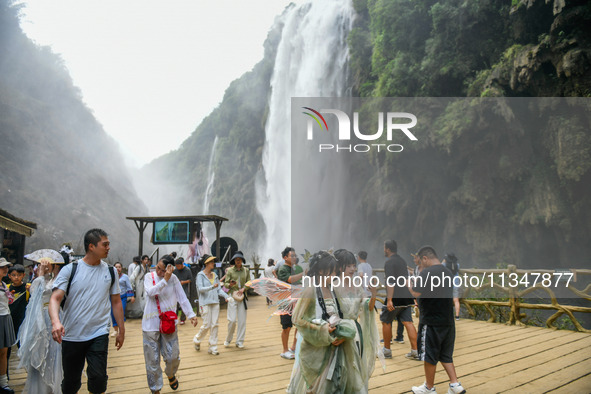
210	259
4	262
237	255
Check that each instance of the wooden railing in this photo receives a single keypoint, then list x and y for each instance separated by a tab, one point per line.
507	282
516	294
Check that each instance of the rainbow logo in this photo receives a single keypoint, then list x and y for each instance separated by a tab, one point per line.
315	118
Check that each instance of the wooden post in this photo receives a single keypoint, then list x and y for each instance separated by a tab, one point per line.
218	225
20	253
140	228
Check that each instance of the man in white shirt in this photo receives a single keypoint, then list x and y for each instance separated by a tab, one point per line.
84	334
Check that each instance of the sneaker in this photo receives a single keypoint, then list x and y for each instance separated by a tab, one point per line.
422	389
457	318
456	389
413	356
197	345
6	390
182	322
382	340
226	343
240	346
387	353
287	355
114	334
213	352
401	341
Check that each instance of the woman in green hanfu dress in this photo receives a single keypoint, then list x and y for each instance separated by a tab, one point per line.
338	330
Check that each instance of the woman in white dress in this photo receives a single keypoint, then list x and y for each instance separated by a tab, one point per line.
39	354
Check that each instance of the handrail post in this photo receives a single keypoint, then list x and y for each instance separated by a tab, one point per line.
514	317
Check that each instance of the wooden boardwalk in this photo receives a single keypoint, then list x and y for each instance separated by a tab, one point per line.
489	358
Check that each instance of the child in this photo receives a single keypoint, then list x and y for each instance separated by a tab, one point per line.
20	293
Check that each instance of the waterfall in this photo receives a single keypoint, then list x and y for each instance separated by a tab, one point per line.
311	62
210	179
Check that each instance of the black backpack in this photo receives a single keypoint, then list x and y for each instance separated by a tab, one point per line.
74	267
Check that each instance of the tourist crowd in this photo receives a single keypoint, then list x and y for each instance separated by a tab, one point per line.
61	313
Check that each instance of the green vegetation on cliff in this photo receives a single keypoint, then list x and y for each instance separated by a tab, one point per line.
492	196
493	193
455	48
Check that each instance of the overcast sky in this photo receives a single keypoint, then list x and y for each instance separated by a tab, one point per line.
151	70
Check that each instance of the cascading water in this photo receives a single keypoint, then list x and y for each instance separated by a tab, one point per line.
210	178
311	62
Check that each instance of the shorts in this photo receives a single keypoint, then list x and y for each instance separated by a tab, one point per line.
436	343
404	313
285	321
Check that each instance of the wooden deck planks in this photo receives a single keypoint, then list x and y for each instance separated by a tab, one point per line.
579	385
489	358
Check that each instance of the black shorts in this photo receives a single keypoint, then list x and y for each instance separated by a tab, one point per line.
285	321
436	343
404	313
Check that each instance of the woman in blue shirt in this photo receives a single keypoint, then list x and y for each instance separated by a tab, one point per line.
126	294
209	290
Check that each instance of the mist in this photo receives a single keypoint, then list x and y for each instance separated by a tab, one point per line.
508	194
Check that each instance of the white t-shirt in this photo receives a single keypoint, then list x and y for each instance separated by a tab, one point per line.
130	272
364	270
269	271
4	308
87	311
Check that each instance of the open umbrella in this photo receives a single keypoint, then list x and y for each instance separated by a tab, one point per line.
53	256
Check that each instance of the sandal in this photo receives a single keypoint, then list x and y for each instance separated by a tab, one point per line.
173	382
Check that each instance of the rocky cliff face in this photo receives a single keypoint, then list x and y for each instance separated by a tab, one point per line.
556	62
59	167
493	194
500	192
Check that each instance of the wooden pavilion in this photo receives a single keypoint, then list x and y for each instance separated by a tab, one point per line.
13	233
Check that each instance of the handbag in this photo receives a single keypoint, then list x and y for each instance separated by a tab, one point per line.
167	319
